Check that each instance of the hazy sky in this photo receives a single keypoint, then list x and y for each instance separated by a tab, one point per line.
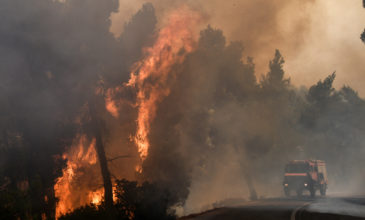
316	37
332	44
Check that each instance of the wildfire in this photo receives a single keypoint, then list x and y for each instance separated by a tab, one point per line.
152	76
67	188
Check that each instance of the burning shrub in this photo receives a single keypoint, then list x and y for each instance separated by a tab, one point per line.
133	201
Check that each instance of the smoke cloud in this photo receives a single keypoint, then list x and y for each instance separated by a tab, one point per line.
309	33
228	123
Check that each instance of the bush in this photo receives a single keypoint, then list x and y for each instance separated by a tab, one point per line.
145	201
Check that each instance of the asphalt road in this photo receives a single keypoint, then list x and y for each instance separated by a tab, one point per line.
293	208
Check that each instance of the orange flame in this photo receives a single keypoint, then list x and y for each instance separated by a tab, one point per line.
110	105
96	197
66	188
152	75
152	78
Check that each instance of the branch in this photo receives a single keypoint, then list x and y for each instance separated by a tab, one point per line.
119	157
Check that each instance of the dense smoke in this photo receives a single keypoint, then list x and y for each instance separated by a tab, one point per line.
282	23
309	33
220	132
220	126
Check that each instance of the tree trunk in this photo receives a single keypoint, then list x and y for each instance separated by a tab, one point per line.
245	165
251	187
97	129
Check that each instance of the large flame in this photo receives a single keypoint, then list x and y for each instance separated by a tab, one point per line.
67	188
152	76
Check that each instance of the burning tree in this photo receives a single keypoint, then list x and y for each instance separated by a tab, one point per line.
185	112
150	81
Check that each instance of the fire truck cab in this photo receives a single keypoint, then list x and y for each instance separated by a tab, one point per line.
301	175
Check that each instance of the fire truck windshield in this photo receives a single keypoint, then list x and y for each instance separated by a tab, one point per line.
297	168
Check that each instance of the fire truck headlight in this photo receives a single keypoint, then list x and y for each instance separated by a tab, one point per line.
286	185
305	184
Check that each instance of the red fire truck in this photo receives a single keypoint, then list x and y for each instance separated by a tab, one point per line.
301	175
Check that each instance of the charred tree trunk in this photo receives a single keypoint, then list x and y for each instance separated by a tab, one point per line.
97	129
108	187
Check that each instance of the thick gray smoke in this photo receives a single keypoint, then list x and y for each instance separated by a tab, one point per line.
221	130
219	134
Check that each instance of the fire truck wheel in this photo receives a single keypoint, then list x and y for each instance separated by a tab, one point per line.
322	190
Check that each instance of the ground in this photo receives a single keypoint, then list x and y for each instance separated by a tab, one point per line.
293	208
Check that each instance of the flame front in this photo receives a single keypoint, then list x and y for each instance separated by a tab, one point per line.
152	76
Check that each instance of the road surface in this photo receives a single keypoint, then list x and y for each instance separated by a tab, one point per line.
305	208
